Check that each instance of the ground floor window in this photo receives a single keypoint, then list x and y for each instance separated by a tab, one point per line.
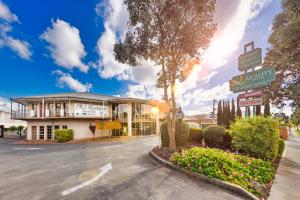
64	127
56	127
123	131
42	132
33	132
49	132
143	128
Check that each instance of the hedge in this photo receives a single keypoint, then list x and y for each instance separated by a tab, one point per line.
63	135
214	135
181	134
256	136
250	173
281	147
196	135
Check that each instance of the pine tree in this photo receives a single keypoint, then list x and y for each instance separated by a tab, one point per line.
267	111
258	110
220	113
238	110
232	110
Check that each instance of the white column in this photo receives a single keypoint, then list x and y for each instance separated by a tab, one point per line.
37	132
43	108
29	131
129	119
45	132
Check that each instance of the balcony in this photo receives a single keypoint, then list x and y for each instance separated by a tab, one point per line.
32	114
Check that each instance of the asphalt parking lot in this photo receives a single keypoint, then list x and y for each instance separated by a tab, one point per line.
111	170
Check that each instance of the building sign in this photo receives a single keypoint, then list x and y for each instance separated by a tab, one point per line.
251	102
256	79
90	110
257	93
250	59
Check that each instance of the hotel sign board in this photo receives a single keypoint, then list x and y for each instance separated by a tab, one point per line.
251	102
250	59
90	110
256	79
256	93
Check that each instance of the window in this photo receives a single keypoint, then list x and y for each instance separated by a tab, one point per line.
56	127
49	132
42	132
64	127
33	132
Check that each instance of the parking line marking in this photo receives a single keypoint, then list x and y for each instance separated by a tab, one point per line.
21	148
102	170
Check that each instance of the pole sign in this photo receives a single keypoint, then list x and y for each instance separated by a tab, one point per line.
250	59
256	79
256	93
251	102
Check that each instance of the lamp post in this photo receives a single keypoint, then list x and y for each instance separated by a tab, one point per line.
179	114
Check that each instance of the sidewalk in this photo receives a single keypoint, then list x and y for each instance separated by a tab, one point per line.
286	185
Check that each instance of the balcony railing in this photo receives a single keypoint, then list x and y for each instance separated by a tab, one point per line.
31	114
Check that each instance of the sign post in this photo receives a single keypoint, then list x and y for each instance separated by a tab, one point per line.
252	80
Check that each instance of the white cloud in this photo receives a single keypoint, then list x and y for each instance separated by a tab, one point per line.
66	80
224	43
22	48
6	14
65	45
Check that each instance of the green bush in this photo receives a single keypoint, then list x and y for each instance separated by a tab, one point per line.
63	135
214	135
281	147
181	134
227	140
256	136
196	135
215	163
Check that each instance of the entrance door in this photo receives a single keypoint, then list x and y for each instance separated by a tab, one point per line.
33	132
1	130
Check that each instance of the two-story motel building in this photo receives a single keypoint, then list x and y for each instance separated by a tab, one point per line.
78	111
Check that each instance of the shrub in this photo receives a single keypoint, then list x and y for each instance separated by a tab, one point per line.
63	135
227	140
181	134
196	135
215	163
214	135
256	136
281	147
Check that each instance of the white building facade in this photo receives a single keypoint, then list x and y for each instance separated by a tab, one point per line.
81	111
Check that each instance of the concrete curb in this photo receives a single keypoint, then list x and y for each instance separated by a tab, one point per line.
225	185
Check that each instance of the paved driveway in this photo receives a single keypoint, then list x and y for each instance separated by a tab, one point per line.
115	170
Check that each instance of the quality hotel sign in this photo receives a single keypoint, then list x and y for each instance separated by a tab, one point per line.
256	79
251	102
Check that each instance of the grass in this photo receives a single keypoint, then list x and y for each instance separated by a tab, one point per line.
298	133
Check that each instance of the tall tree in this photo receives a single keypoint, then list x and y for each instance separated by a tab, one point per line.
233	114
284	54
267	111
295	118
170	33
220	114
238	110
257	110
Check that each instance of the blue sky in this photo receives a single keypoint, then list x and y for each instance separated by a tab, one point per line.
54	46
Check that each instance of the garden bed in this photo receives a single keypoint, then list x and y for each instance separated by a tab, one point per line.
254	175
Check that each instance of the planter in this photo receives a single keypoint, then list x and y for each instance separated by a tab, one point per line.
284	133
222	184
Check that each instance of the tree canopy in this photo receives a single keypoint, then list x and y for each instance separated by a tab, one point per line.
284	54
170	33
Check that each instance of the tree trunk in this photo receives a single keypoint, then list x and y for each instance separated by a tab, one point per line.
172	141
167	112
